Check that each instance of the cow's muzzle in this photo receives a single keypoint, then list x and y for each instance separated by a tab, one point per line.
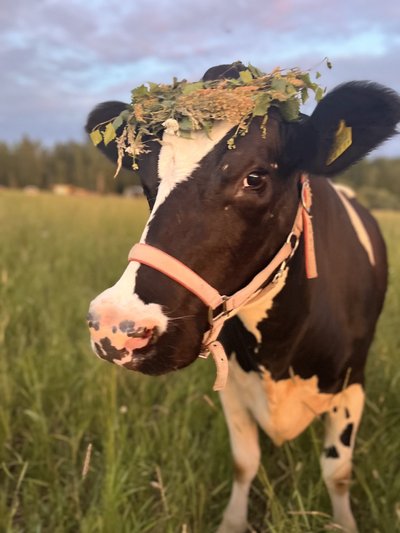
122	337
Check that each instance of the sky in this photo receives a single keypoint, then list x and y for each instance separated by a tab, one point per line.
58	59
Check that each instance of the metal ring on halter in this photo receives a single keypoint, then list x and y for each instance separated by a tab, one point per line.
279	273
306	189
294	244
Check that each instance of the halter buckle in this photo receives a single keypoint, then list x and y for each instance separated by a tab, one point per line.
224	312
205	352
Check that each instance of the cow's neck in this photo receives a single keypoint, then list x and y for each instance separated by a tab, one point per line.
276	319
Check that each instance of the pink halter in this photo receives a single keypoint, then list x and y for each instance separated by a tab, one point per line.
174	269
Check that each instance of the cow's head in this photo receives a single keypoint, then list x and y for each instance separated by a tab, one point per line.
223	213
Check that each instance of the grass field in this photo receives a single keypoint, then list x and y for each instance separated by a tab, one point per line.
160	459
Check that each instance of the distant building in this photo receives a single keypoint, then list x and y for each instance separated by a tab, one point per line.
31	190
64	189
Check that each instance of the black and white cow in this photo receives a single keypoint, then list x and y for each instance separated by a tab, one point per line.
299	350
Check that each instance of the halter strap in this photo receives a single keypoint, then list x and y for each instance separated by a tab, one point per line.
173	268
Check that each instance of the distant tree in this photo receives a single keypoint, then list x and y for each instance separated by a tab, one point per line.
28	163
376	181
5	165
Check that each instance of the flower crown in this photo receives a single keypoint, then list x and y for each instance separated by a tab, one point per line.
185	107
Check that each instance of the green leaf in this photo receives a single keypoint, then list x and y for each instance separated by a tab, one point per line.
192	87
290	109
185	124
262	104
125	115
140	91
207	126
278	85
291	89
246	76
304	95
307	80
96	137
257	73
233	82
319	93
109	133
153	87
117	123
317	75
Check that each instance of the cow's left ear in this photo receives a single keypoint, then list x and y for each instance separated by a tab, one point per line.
345	126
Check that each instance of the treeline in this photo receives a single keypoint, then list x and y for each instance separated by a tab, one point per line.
28	163
376	181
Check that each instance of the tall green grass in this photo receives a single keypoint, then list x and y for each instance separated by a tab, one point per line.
160	458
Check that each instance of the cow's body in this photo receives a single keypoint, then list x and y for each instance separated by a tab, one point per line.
297	351
324	334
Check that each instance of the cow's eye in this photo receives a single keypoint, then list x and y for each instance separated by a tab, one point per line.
255	181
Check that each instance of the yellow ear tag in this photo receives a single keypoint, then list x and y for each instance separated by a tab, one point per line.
343	139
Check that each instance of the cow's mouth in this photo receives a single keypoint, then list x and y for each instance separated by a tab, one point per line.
147	351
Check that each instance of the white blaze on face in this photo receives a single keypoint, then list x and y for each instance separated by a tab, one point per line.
180	157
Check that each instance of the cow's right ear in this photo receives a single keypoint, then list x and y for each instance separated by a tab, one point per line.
102	114
346	125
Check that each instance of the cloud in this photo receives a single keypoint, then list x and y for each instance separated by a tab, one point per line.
58	59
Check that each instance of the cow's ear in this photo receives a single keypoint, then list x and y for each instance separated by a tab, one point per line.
224	72
102	114
345	126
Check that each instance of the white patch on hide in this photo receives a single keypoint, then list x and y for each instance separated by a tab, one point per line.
345	193
256	311
284	408
345	189
346	410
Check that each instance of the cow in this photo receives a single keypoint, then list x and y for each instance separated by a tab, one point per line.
297	348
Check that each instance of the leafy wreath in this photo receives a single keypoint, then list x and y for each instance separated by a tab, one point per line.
184	107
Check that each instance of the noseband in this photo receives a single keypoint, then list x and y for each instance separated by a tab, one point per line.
221	307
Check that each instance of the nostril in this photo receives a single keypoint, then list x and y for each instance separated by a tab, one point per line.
139	332
127	326
151	334
93	321
121	340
